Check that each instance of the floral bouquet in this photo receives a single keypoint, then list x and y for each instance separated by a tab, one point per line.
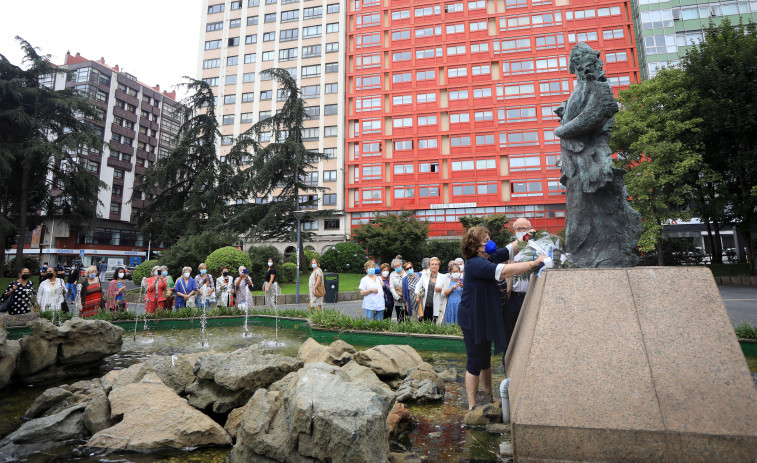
542	244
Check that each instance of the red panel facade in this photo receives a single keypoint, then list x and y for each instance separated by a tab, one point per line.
450	104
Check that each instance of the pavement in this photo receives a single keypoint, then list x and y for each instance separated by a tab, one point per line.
740	303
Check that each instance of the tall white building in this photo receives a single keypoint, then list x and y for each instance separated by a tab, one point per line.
240	39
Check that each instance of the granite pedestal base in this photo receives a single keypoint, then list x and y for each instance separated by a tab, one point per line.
636	364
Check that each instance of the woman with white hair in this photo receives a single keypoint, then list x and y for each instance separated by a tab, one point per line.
91	295
156	285
429	299
243	288
184	288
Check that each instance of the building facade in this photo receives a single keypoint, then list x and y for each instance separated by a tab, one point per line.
138	123
239	40
450	105
664	29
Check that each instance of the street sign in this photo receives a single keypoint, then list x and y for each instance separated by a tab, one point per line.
81	253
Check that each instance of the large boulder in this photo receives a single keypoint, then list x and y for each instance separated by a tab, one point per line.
484	415
227	381
337	353
155	417
389	361
365	375
422	384
9	353
322	416
43	433
55	399
50	349
48	399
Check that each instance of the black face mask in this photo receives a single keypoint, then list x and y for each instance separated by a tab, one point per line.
24	276
225	274
49	274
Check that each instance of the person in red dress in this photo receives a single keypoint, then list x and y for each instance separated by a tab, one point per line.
156	287
91	294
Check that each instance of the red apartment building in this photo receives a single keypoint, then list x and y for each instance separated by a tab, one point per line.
450	105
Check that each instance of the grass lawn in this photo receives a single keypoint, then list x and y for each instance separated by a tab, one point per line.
729	270
347	282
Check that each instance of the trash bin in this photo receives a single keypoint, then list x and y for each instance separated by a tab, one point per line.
331	281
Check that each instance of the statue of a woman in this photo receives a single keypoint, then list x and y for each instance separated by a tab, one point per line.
601	228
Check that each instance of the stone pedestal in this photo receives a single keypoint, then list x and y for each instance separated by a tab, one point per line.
633	364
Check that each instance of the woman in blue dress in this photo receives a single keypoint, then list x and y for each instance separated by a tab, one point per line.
479	313
453	292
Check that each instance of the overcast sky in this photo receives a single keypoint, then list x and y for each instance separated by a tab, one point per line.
155	40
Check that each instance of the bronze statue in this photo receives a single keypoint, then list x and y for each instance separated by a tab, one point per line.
601	228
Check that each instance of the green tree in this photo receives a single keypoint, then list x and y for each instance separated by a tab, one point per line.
41	132
260	256
191	250
387	235
446	250
230	257
143	271
722	71
347	257
186	191
495	223
657	139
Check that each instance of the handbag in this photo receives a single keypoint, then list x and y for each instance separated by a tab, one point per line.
6	305
320	290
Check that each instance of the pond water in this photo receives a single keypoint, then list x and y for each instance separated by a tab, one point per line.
439	436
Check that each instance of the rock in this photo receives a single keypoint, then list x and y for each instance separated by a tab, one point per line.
97	414
176	371
422	384
338	353
400	421
361	374
17	321
44	433
506	449
155	417
322	416
37	354
449	375
9	354
389	361
483	415
227	381
45	401
234	419
498	428
396	457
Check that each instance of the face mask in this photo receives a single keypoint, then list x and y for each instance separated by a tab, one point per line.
225	274
49	274
186	275
270	264
203	271
165	273
371	271
314	265
24	276
520	235
410	271
385	273
91	275
455	276
398	270
491	247
120	275
462	267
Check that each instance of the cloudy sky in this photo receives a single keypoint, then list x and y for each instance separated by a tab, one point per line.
155	40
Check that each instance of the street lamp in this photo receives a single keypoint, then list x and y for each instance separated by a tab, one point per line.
298	215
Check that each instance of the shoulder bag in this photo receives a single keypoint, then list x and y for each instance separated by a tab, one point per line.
320	290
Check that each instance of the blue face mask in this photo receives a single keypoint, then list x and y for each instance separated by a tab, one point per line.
371	271
203	271
314	265
92	276
398	270
491	247
165	273
410	271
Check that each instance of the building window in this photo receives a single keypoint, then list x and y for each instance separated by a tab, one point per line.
286	35
266	94
211	81
236	5
229	99
329	176
332	27
312	12
232	60
310	71
235	23
268	56
330	224
216	8
212	44
313	112
330	153
269	18
291	15
311	51
228	119
332	8
250	39
217	26
211	63
118	173
311	31
287	54
402	169
250	58
248	77
231	80
248	97
330	131
525	188
331	109
332	67
252	21
310	134
233	41
311	91
115	208
245	118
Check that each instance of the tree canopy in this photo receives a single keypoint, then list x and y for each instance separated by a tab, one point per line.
387	235
495	223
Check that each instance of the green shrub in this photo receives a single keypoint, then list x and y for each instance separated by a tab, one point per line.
143	270
259	256
337	320
445	250
745	330
191	251
348	257
229	256
310	255
287	272
32	263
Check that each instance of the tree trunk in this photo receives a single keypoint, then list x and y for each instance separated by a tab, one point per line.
658	245
717	251
23	206
710	237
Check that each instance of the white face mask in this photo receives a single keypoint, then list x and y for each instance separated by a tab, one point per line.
455	276
120	275
186	275
385	273
520	235
270	264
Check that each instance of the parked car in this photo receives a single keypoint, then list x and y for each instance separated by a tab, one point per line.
128	272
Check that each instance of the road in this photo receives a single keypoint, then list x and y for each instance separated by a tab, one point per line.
740	303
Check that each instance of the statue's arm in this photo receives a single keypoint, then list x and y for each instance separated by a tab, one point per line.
599	108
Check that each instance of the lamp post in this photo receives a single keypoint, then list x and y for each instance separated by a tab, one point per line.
298	215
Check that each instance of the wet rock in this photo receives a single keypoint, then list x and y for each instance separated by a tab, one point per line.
322	416
44	433
498	428
9	353
483	415
449	375
361	374
506	449
97	414
389	361
45	401
422	384
234	420
400	421
227	381
176	371
402	457
337	353
155	417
